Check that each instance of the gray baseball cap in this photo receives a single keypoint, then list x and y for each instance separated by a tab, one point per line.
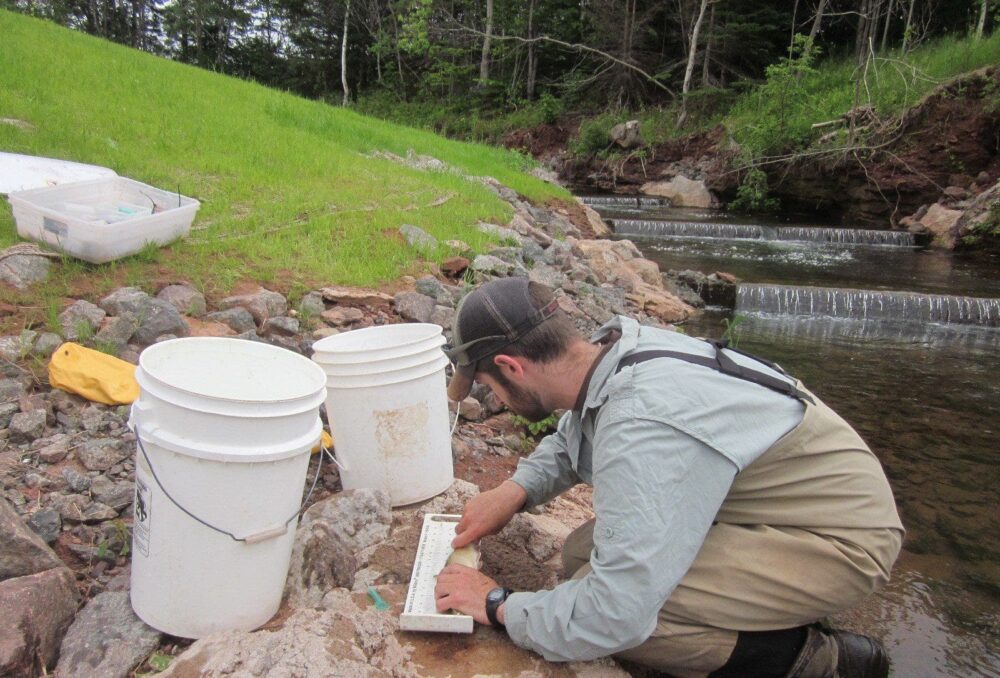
491	317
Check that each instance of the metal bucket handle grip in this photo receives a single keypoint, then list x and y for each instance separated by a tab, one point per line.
254	538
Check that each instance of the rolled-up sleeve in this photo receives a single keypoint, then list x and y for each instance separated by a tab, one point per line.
656	492
548	471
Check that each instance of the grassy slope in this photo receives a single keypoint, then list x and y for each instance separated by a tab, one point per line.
775	119
288	195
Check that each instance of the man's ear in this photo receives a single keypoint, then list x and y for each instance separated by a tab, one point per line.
510	366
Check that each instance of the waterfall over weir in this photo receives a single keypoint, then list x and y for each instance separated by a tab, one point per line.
867	304
704	229
623	201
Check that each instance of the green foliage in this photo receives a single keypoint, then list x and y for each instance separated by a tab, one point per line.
751	196
732	333
536	428
593	138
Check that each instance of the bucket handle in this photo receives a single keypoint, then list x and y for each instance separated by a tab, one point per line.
254	538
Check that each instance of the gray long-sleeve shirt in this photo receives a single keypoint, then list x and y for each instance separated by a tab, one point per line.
660	442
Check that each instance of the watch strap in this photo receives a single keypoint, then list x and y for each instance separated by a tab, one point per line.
494	599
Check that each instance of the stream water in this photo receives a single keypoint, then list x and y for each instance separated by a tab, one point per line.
904	343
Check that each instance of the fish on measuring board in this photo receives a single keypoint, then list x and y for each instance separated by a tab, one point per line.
468	555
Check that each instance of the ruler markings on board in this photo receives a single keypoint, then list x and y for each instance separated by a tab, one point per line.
433	549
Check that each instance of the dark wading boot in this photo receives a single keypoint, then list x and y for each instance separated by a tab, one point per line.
829	653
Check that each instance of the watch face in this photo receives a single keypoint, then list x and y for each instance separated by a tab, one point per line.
496	595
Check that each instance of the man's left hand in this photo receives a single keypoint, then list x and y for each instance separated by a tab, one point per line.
463	589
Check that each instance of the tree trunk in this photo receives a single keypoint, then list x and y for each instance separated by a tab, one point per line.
909	25
817	21
888	21
709	39
484	62
689	70
343	55
532	61
791	37
860	46
982	19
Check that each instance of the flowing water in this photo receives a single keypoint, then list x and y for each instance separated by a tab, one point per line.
905	344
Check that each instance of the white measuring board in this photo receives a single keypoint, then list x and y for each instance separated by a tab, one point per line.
420	614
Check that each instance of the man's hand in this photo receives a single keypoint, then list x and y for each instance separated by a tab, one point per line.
463	589
487	513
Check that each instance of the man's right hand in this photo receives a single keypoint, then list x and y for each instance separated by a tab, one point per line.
489	512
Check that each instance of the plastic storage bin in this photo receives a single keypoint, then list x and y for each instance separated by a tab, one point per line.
102	219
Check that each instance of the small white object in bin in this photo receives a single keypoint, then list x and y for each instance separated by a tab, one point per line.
420	612
102	219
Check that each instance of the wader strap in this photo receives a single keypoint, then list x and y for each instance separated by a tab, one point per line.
726	365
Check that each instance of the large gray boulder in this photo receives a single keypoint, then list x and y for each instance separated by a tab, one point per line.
186	299
81	317
626	134
107	639
414	306
262	304
681	191
22	552
24	270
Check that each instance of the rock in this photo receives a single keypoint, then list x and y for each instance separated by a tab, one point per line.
956	193
238	319
262	304
157	319
55	450
414	306
7	412
116	331
27	426
418	238
983	178
341	316
489	266
470	409
504	235
16	346
22	552
681	191
430	286
71	506
126	300
76	481
546	175
96	512
349	295
443	316
46	524
459	247
312	304
24	270
37	608
100	454
106	639
595	221
186	299
117	495
12	390
46	344
940	221
626	134
80	318
333	541
547	275
282	326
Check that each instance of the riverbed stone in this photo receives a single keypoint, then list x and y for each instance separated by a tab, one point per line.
46	524
37	609
159	318
75	481
7	412
342	316
27	426
106	639
626	134
126	300
12	390
80	317
237	318
46	344
940	221
312	304
281	326
55	450
681	192
15	346
116	331
22	552
418	238
100	454
262	304
414	306
117	495
186	299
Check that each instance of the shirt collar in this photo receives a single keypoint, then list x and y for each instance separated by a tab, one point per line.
592	392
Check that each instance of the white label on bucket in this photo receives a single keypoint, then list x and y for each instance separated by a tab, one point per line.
420	613
141	524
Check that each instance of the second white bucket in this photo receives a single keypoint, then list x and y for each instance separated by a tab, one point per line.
388	409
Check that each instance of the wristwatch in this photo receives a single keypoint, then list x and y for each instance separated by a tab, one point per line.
494	599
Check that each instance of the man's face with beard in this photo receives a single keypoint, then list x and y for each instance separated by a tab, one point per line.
518	400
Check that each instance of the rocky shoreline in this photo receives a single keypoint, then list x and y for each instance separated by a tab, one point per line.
67	473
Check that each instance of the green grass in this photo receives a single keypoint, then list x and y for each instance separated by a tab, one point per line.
892	83
290	195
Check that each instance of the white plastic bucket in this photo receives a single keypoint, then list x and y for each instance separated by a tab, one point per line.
388	409
225	427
